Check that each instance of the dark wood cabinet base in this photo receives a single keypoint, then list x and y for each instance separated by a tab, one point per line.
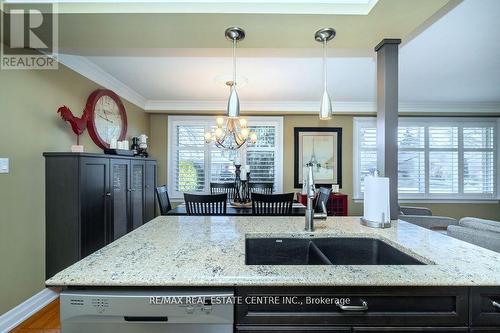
92	200
367	309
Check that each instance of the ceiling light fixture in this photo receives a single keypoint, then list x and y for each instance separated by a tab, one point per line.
324	36
235	133
233	104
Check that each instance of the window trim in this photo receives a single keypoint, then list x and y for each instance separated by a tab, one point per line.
359	122
196	120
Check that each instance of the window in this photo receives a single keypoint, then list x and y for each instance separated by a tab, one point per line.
192	164
438	158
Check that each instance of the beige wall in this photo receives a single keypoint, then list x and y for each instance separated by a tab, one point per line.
345	122
159	145
30	126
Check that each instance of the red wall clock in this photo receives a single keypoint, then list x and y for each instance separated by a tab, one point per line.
107	118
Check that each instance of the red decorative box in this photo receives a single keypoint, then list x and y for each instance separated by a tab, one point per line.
336	206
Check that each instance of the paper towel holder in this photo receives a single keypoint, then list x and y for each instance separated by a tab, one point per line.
382	224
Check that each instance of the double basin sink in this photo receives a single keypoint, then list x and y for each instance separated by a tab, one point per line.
324	251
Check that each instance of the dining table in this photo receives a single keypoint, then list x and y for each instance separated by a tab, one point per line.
298	209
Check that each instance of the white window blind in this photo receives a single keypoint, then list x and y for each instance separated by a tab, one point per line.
261	155
189	158
192	164
438	158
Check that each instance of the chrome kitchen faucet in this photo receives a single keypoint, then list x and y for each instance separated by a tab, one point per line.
311	193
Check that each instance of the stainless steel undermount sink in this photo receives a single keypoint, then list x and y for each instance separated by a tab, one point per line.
324	251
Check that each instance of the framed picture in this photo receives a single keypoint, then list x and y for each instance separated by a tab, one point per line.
321	146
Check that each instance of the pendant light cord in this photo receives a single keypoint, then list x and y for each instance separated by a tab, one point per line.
324	63
234	63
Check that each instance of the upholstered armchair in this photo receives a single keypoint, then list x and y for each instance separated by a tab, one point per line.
423	217
484	233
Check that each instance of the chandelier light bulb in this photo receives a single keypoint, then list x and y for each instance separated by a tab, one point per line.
253	137
208	137
245	132
219	121
243	122
218	132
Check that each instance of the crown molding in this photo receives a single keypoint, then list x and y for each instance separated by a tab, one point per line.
93	72
450	107
207	106
158	106
331	7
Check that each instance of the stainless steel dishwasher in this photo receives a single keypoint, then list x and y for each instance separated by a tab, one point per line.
134	311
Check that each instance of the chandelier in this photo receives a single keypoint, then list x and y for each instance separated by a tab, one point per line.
232	131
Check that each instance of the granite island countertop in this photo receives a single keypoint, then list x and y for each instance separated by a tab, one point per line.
210	251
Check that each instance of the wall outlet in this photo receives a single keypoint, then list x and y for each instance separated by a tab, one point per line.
4	165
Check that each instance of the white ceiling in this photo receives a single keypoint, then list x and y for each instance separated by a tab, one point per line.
457	58
269	79
454	62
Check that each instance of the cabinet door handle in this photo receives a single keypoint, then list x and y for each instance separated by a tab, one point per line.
362	307
108	194
495	304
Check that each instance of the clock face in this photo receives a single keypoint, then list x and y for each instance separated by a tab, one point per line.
108	119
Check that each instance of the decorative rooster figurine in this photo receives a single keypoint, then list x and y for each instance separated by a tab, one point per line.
77	124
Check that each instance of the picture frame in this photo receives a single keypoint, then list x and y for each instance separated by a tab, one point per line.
323	145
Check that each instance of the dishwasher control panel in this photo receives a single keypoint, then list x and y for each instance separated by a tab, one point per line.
165	306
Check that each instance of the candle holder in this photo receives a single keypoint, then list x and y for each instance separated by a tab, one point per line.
245	189
237	183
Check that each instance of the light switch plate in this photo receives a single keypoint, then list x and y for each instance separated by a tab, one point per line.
4	165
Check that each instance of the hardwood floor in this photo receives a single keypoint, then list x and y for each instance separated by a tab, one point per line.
44	321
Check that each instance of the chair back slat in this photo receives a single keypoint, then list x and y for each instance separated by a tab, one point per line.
323	196
163	199
206	204
272	204
262	188
220	188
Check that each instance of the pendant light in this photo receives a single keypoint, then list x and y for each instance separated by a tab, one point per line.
324	36
234	34
233	132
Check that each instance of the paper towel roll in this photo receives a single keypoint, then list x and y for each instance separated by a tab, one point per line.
376	199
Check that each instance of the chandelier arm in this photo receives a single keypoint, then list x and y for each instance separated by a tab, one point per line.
220	145
223	137
238	139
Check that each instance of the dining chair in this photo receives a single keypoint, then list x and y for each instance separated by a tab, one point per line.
219	188
323	197
163	199
262	188
272	204
206	204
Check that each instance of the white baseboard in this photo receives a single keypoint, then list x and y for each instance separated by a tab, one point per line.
14	317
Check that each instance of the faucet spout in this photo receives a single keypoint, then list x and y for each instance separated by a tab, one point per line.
311	193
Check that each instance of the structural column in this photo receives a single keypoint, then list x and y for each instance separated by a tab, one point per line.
387	116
